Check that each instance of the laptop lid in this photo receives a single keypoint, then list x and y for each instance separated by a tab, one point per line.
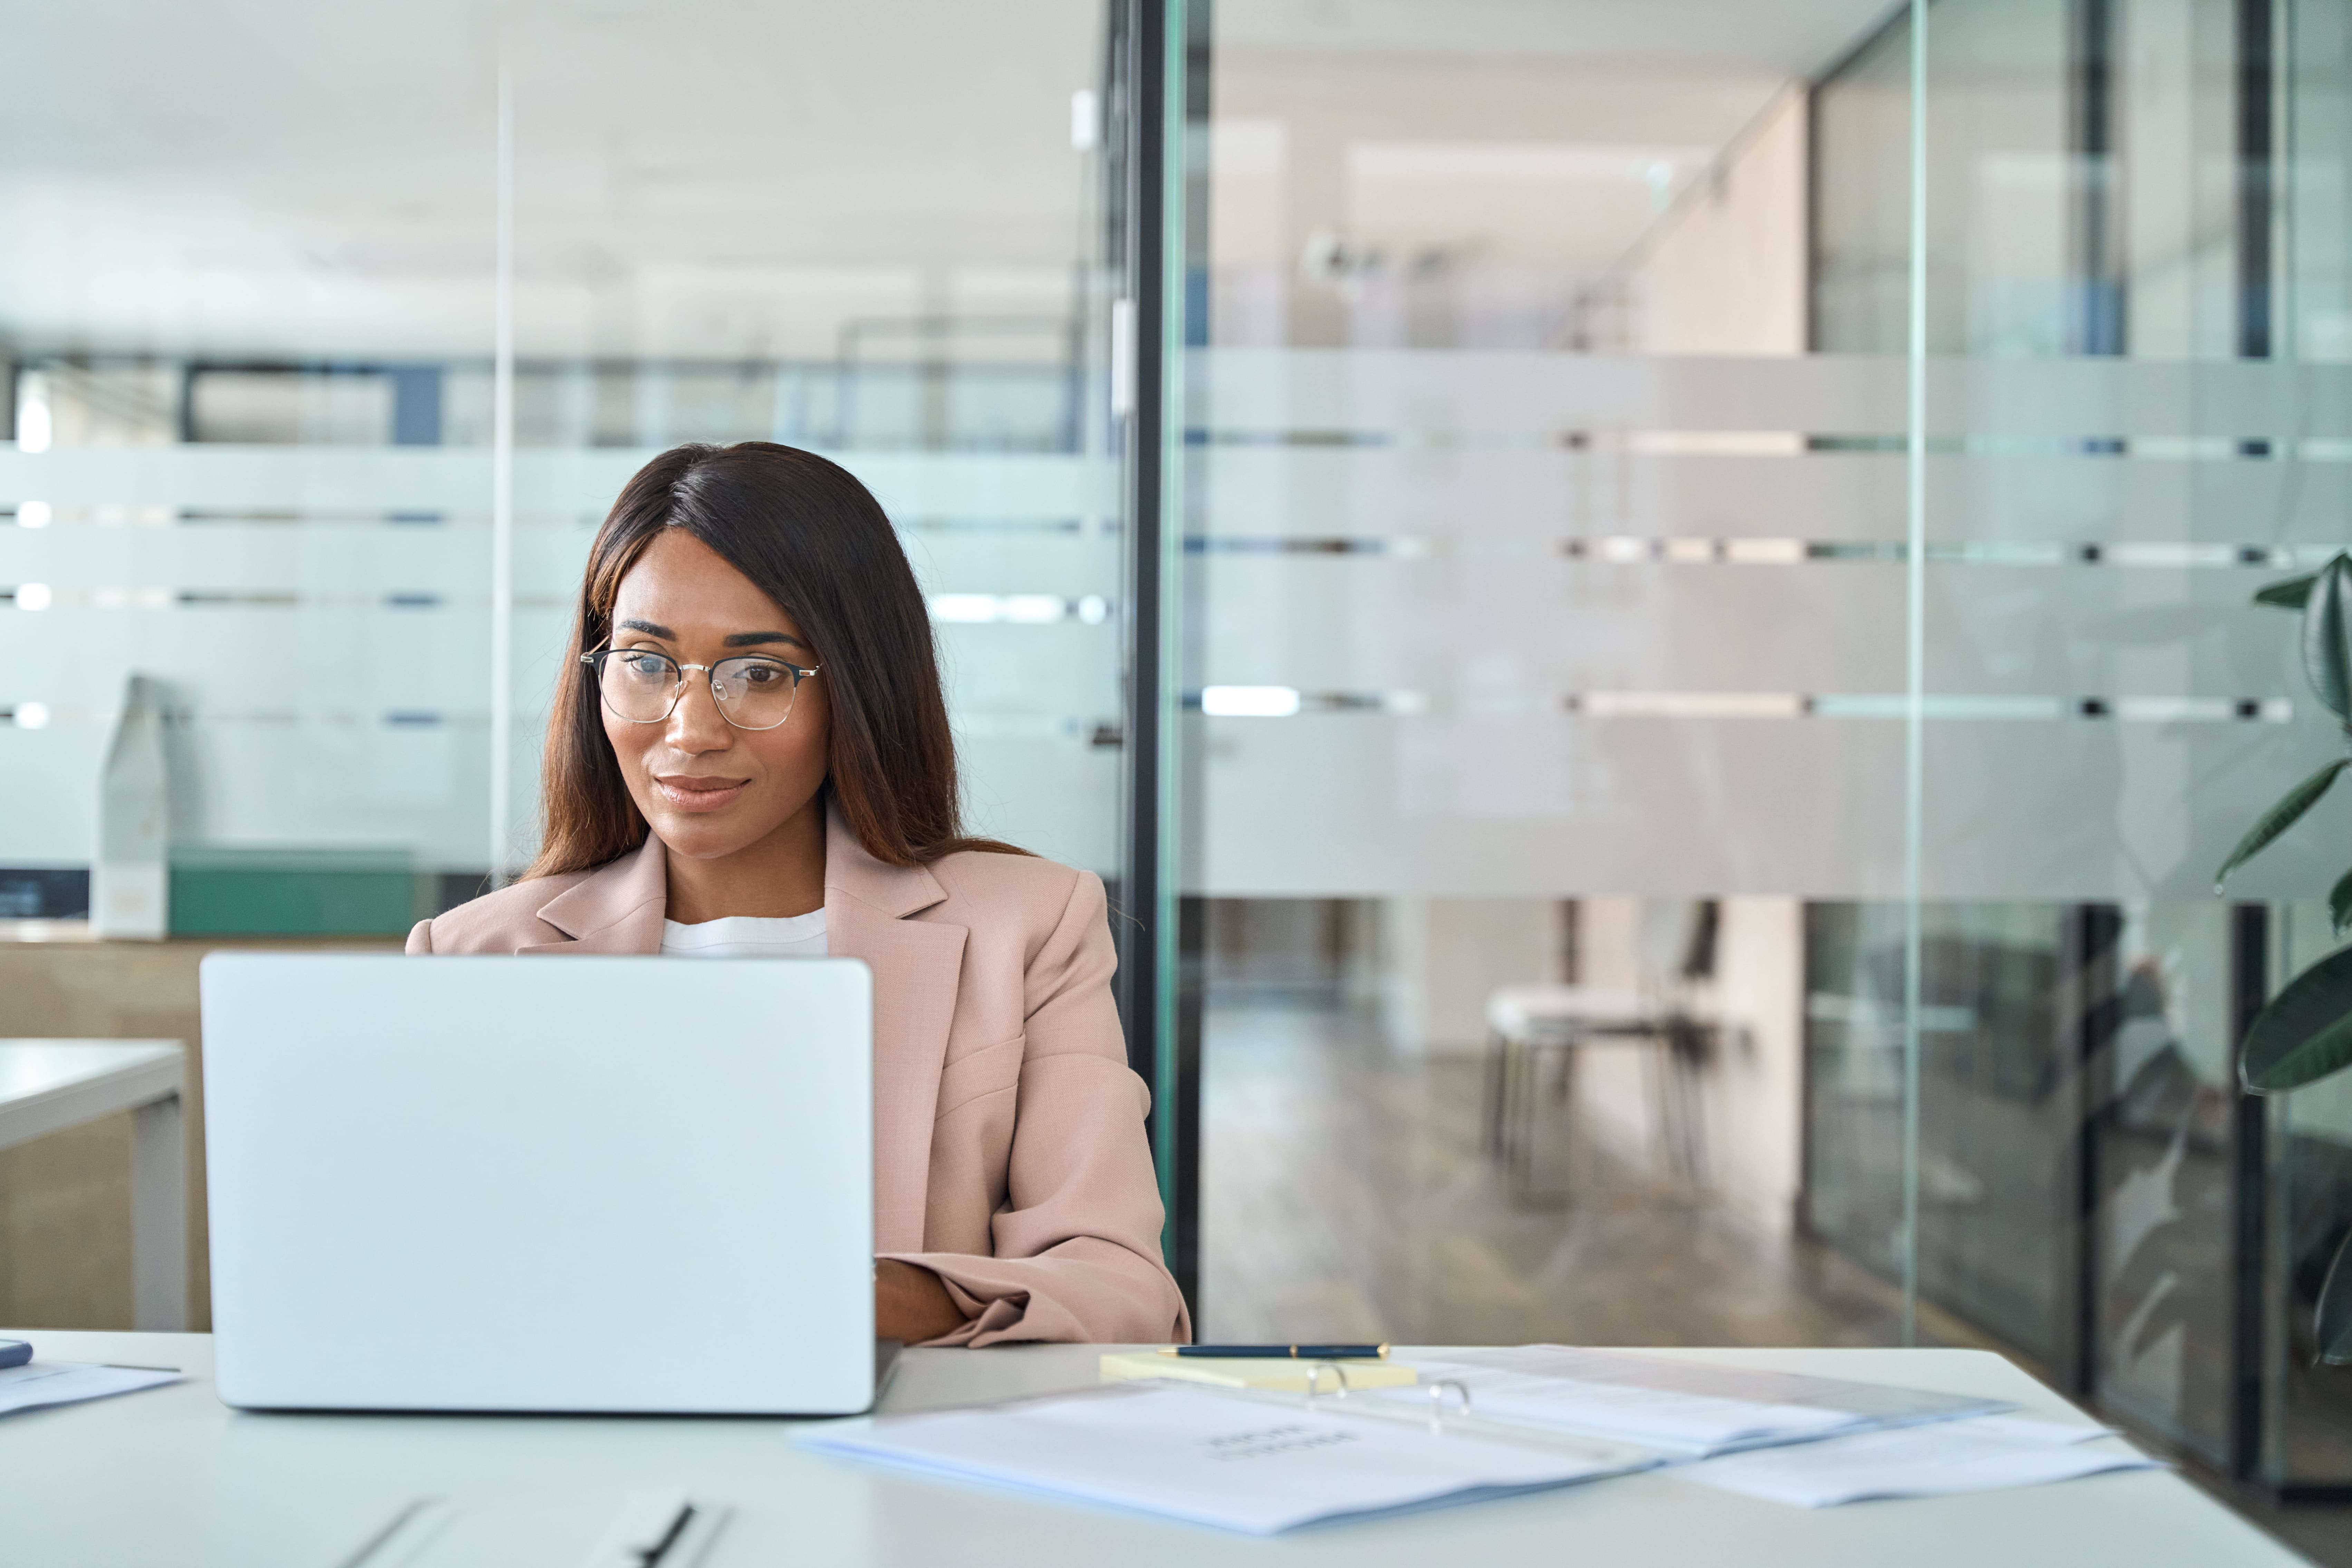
540	1184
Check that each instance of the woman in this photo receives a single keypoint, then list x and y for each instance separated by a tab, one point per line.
750	754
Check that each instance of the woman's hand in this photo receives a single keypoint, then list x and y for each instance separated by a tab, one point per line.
911	1304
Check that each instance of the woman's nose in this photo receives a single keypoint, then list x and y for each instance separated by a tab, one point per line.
696	723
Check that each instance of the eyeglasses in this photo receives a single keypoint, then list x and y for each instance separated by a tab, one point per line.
754	692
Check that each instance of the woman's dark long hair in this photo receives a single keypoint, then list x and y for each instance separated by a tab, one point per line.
812	538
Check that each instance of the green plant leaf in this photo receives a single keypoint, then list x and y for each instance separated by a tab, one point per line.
2331	1319
2306	1033
2327	637
2279	819
2339	903
2291	595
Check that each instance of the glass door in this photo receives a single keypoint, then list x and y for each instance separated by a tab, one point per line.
1720	671
1545	609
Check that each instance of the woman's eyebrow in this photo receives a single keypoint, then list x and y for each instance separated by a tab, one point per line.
651	630
753	640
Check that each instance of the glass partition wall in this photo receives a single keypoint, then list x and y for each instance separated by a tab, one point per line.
312	419
332	333
237	466
2131	213
1541	587
1720	670
741	242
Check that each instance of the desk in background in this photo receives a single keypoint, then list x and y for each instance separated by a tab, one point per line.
170	1477
48	1086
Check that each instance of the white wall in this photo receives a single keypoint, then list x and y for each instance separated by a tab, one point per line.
1725	273
1751	1084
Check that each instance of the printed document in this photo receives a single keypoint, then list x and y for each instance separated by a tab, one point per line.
1239	1459
1979	1453
1691	1408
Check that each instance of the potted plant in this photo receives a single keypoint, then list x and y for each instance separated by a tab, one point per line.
2304	1034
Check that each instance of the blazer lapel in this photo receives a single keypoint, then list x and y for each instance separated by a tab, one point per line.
617	907
916	964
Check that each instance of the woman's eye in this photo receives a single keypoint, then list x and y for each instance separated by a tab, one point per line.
646	666
757	676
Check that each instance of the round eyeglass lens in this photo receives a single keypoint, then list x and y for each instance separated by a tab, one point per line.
639	685
753	693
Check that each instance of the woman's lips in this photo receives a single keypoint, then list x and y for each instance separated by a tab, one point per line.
699	793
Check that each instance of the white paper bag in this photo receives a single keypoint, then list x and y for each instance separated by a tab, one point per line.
129	873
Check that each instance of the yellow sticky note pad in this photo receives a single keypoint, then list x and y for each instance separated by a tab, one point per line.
1252	1372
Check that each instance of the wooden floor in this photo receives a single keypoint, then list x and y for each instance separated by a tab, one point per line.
1346	1195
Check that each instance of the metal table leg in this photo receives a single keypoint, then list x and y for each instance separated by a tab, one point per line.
158	1217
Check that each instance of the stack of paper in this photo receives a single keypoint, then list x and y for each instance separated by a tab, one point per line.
1246	1461
38	1382
1688	1408
1979	1453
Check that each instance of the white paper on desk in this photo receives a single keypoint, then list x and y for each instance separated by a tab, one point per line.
1693	1408
1982	1453
1231	1457
38	1382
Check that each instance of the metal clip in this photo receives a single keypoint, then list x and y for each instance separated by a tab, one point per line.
1315	1379
1437	1403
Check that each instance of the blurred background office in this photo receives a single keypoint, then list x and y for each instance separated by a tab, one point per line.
1553	611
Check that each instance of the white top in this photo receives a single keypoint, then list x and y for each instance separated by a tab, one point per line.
747	936
45	1085
171	1476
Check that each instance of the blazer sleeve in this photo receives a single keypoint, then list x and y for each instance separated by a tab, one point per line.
1077	1242
420	938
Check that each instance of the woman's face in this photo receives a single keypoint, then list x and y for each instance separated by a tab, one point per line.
708	788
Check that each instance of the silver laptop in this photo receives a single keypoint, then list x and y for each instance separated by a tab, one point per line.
540	1184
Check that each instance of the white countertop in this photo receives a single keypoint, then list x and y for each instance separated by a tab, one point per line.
171	1476
47	1085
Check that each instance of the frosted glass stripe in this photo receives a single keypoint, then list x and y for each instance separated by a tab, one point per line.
1634	550
1348	395
1370	491
1464	805
376	480
1256	703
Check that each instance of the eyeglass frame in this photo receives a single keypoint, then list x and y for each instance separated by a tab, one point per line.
800	672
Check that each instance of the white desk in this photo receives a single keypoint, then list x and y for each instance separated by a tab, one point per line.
46	1086
169	1478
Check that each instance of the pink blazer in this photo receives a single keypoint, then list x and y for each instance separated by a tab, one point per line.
1009	1149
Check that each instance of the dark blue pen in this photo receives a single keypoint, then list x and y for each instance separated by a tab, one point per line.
1287	1353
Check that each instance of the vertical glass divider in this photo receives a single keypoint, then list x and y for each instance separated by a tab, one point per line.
1915	576
502	496
1153	62
1168	1107
2265	1238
